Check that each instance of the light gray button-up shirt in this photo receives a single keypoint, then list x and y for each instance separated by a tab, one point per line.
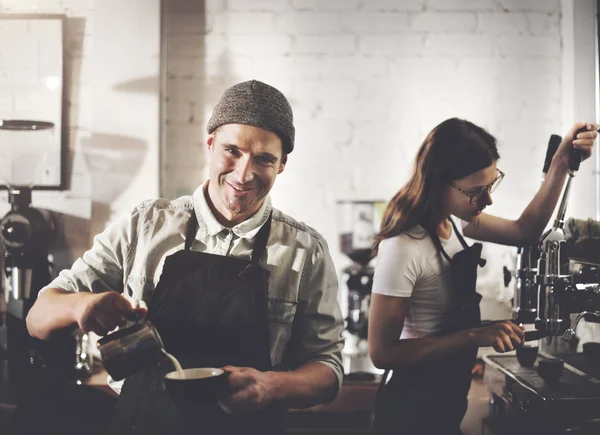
305	320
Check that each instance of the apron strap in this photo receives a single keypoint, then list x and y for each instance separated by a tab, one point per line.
258	250
436	241
458	234
190	232
260	244
442	250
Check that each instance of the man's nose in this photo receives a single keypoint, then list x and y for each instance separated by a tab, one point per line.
244	171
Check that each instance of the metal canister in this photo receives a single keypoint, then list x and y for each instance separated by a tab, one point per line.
129	350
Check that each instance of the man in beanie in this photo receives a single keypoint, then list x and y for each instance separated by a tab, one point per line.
229	282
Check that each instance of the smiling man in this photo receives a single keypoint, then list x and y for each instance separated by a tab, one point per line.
245	160
229	282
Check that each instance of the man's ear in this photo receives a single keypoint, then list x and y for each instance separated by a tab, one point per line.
210	141
282	164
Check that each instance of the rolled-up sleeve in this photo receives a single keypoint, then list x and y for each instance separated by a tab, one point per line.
318	324
101	268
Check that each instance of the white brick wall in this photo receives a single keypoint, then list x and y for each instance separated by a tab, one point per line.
442	22
367	80
392	5
330	5
302	23
364	23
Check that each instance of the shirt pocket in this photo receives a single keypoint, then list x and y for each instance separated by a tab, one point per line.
281	317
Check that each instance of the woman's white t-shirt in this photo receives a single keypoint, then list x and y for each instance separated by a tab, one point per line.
410	266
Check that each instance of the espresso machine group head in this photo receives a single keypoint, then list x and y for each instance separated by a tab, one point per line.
560	291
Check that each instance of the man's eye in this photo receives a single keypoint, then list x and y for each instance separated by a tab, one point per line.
264	160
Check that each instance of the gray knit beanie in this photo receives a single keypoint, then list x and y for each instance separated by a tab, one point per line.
258	104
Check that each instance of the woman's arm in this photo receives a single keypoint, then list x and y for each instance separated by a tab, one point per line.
529	226
386	319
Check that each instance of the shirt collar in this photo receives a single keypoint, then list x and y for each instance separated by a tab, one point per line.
208	224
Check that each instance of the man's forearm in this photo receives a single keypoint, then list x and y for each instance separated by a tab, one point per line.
53	310
311	384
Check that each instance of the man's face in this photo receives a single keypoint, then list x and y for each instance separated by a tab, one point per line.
244	162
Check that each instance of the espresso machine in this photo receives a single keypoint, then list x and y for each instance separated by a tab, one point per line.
560	291
359	221
524	307
524	302
26	234
556	391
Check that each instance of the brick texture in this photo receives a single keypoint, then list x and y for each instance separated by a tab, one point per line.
367	81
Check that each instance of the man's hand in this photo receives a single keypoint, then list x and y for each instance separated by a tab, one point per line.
503	336
252	390
103	312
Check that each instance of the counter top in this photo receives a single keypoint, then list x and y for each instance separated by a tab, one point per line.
354	396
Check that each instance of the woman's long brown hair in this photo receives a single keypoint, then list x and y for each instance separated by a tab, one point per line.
453	150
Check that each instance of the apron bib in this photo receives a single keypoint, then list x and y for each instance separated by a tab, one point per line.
210	311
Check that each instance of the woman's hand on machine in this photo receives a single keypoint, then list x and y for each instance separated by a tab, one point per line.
582	141
103	312
502	336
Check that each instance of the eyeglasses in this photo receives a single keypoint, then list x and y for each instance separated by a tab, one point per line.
476	194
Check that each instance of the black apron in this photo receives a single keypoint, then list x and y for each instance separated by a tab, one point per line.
431	397
210	311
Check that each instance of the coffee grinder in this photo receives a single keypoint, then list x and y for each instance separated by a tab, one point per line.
26	233
359	222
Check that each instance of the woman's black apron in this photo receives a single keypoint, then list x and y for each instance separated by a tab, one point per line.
210	311
431	397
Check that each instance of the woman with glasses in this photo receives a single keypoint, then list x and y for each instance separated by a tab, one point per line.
424	321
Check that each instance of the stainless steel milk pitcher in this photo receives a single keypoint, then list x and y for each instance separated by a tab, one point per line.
129	350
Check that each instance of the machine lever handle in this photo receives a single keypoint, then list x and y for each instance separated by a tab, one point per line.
553	144
575	157
535	335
